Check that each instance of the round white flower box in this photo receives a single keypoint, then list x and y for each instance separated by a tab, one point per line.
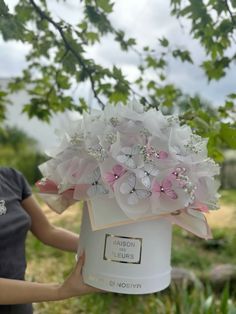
131	259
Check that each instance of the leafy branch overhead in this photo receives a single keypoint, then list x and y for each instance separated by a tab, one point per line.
58	62
213	23
61	47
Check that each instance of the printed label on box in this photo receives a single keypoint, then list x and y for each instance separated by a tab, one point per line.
122	249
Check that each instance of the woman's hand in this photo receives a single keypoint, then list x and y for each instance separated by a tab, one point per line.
27	292
74	284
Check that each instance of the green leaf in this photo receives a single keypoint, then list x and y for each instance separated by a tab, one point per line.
42	24
164	42
73	43
225	26
117	97
155	63
24	12
151	85
3	8
162	76
117	73
2	94
105	5
3	102
83	25
63	81
232	96
151	62
98	19
125	44
83	105
69	63
216	69
11	28
37	107
92	37
104	88
228	135
183	55
213	149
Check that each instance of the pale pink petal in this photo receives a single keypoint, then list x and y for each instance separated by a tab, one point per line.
167	184
171	194
119	170
192	221
201	207
109	177
163	155
47	186
156	186
68	193
76	174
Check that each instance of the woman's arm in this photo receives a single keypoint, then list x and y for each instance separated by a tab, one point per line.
47	233
20	292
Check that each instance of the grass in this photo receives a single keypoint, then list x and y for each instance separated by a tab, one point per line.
200	255
46	264
228	197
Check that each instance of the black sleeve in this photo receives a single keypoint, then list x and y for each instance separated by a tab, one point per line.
22	185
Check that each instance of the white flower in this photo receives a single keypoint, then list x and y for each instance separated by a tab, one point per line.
96	185
144	174
135	194
127	155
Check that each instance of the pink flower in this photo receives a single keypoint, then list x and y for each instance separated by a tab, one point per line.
50	187
151	153
47	186
115	174
178	171
201	207
165	188
177	174
161	155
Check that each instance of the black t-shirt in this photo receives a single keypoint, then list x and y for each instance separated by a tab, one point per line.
14	225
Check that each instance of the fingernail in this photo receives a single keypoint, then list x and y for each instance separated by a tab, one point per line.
79	254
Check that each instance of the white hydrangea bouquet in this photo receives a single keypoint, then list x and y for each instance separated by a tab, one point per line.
132	166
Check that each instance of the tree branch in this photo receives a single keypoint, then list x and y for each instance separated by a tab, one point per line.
230	12
232	18
68	46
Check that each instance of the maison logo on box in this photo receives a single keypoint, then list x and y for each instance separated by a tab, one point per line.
122	249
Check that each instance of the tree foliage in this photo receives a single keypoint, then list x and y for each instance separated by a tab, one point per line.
58	60
213	23
20	151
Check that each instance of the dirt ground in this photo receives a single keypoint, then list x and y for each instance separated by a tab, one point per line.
225	217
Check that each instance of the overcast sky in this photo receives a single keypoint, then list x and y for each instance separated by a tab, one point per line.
145	20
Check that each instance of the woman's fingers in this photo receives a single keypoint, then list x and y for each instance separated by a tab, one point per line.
79	267
80	263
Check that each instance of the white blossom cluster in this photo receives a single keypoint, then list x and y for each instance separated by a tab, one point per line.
147	161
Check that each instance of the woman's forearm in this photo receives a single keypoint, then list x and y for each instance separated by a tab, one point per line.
19	292
62	239
45	231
